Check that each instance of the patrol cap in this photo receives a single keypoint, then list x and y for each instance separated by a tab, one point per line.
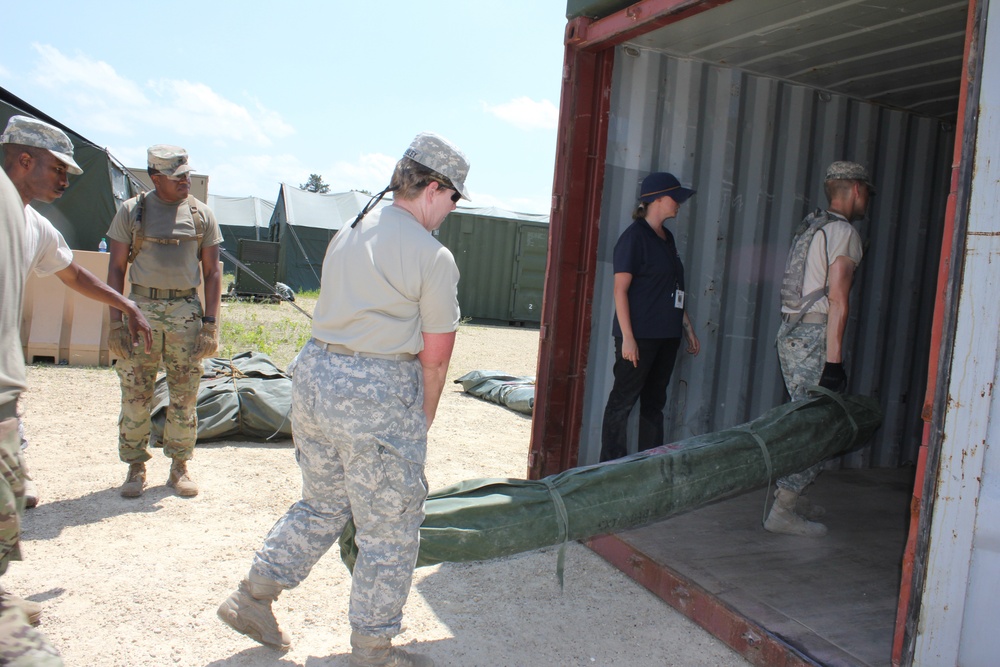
29	131
437	153
168	160
661	183
849	171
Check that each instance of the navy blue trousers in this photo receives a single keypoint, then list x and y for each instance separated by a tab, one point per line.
645	383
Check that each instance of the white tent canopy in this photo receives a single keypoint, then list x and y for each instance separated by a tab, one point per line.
241	211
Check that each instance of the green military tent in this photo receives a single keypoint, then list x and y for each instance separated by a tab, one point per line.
83	214
501	254
303	223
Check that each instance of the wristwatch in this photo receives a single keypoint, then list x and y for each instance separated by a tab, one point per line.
208	320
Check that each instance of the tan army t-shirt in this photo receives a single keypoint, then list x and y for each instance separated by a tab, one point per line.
384	283
165	266
842	240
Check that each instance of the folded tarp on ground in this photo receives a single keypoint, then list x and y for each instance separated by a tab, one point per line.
490	518
246	397
514	392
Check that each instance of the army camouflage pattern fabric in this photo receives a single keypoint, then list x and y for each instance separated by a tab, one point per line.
360	437
802	354
28	131
437	153
795	266
175	324
22	645
11	493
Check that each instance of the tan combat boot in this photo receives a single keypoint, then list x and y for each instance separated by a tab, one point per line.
807	508
379	652
136	480
248	611
180	480
32	610
783	519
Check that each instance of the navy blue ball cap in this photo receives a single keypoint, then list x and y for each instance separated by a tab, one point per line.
661	183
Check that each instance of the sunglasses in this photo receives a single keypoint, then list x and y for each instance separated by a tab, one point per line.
186	176
444	186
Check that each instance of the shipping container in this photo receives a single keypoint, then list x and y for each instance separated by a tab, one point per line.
501	256
748	101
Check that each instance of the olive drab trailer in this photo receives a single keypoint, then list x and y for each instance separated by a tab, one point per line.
749	101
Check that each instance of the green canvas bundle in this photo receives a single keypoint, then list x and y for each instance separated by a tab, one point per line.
246	397
490	518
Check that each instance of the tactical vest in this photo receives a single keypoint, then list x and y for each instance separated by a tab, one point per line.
792	297
197	215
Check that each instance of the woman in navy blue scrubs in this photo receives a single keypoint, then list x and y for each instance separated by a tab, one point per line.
649	316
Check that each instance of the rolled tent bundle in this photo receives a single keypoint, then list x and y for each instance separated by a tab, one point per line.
490	518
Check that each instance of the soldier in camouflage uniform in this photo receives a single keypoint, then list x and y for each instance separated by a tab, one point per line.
172	242
365	391
811	335
38	158
20	644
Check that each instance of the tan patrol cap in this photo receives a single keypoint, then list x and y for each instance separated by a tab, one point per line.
168	160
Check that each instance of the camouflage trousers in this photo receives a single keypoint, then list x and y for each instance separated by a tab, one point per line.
20	644
11	493
802	354
360	437
175	324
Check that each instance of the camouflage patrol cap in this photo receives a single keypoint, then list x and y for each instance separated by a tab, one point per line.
168	160
437	153
849	171
29	131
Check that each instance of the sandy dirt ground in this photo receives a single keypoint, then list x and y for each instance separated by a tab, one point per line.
129	582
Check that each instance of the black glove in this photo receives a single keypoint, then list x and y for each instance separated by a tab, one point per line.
834	377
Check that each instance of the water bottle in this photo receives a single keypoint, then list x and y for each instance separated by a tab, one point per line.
102	246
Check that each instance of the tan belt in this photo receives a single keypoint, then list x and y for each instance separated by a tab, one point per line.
808	318
154	293
334	348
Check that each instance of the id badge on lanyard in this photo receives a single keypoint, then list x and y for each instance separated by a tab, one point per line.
678	298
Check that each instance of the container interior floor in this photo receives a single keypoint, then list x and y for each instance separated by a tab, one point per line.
831	600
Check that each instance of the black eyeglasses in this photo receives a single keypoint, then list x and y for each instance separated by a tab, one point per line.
444	186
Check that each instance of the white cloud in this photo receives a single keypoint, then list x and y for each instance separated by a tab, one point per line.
257	175
526	114
260	175
370	171
91	82
107	103
4	72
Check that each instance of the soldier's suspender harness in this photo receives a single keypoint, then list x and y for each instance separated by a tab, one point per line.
197	216
795	267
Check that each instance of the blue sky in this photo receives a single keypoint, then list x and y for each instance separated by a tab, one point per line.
262	93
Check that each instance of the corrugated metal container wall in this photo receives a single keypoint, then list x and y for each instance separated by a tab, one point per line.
486	250
756	150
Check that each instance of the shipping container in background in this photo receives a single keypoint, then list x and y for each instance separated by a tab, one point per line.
748	101
501	256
